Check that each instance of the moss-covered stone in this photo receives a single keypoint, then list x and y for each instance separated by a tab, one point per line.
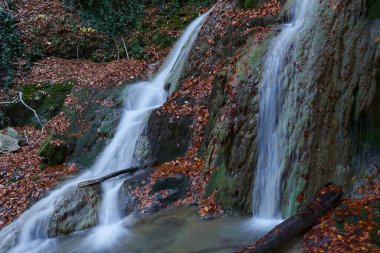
56	148
96	123
76	211
46	99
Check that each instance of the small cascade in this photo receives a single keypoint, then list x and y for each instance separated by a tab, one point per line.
271	134
141	98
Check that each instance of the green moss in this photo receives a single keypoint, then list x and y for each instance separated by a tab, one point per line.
373	9
88	158
45	144
56	154
224	185
254	59
216	180
163	40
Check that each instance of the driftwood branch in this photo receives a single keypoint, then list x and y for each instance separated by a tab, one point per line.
278	237
112	175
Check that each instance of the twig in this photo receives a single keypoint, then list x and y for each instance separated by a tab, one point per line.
26	138
34	112
10	102
125	47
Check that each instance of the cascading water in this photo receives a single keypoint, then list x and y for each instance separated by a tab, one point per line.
31	228
272	133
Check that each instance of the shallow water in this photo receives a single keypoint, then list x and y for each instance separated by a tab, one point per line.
176	230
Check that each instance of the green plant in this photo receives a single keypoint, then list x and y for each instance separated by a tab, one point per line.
110	16
11	46
373	9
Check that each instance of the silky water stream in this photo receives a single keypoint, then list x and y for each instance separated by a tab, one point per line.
273	132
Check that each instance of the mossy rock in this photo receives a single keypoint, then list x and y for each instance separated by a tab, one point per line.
46	99
56	148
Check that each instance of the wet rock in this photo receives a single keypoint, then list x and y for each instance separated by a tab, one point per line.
127	200
8	144
176	187
76	211
143	154
168	138
56	148
10	241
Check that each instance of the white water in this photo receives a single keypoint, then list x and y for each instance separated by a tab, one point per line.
271	135
141	99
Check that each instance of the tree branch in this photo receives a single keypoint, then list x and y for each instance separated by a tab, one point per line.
19	98
114	174
34	111
125	47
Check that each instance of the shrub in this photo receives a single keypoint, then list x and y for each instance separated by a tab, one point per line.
11	46
110	16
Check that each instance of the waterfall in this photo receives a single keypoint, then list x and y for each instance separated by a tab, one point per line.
141	98
272	133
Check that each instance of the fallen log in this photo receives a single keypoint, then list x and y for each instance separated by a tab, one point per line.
114	174
277	238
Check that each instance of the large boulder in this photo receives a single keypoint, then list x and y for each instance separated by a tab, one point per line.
8	144
11	132
168	138
78	210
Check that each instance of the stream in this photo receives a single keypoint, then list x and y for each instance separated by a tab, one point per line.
176	230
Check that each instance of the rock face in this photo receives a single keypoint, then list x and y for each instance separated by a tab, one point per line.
336	75
8	144
168	138
127	200
332	84
78	210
